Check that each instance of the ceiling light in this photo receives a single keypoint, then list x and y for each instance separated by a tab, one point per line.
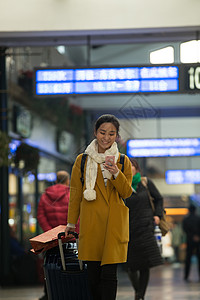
190	52
162	56
61	49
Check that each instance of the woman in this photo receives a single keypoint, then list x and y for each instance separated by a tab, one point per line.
104	219
143	252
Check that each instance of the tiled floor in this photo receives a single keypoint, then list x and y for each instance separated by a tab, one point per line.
166	283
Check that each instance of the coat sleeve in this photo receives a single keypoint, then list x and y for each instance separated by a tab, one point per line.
76	192
42	216
124	179
158	199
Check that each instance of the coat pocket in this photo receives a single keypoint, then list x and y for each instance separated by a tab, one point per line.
119	221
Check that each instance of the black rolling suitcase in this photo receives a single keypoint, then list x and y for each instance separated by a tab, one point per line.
66	278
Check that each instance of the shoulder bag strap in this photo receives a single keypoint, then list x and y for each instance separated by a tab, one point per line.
144	181
121	161
82	167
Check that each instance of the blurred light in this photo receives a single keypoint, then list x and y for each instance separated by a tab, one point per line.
31	177
182	176
195	198
43	176
190	52
28	208
43	65
61	49
162	56
11	222
32	224
13	146
47	176
21	164
176	211
163	147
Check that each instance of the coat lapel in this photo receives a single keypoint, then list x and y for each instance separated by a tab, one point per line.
106	190
101	184
110	186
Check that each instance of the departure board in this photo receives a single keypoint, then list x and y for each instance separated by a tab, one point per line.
109	80
163	147
182	176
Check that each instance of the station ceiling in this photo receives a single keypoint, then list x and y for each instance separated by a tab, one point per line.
167	105
98	37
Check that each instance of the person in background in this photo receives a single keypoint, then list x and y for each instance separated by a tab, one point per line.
191	226
167	248
143	251
15	248
23	263
177	240
104	231
53	206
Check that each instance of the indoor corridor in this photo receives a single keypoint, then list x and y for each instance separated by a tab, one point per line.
166	283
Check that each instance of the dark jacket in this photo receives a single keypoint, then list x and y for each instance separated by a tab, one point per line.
53	207
143	251
191	226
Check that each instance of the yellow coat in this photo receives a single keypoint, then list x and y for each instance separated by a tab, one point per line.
104	222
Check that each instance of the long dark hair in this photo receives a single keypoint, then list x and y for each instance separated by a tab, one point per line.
107	119
135	163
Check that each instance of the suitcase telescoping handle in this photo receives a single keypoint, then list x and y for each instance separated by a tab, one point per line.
75	234
61	249
60	235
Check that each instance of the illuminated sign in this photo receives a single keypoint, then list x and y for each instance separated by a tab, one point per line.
195	198
22	121
194	78
176	211
163	147
111	80
43	176
182	176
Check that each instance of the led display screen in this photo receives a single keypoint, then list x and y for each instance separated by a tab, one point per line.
195	198
163	147
107	80
51	177
182	176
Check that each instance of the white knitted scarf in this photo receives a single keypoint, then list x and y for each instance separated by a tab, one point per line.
95	158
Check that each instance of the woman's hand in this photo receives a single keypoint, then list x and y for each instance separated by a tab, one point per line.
67	229
156	220
113	169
